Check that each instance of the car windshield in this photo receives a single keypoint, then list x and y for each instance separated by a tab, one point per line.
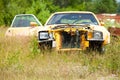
73	18
24	21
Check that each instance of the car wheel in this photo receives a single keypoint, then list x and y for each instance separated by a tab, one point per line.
101	49
96	46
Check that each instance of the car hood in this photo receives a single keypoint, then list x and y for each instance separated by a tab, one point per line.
22	31
106	33
60	26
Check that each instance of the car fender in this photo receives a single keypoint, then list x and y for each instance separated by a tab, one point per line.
106	33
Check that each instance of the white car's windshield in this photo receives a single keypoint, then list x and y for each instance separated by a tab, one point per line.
24	21
72	18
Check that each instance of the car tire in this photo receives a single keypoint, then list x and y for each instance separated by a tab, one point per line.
96	46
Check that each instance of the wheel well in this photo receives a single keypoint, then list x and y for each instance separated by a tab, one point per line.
95	44
45	45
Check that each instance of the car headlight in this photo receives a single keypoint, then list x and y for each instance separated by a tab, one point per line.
43	35
97	35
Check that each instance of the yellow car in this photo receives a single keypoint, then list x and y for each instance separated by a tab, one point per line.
73	30
24	25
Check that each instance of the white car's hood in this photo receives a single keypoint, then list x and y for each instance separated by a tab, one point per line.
22	31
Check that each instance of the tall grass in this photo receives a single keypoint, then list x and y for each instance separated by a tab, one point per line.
20	59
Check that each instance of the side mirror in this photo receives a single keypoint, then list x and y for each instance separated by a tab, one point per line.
102	23
33	24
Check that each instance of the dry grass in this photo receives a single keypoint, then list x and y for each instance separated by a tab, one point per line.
21	60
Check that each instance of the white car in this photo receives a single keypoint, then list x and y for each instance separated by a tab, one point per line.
24	25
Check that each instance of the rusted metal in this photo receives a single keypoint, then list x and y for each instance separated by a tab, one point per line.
114	31
102	17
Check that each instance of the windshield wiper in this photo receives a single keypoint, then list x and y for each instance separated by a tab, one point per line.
70	26
62	26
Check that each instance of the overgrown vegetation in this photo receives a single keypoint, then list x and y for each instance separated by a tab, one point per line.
43	8
20	59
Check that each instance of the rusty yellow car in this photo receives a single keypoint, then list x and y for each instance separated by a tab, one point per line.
24	25
73	30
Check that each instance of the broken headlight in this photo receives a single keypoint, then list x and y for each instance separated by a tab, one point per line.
97	35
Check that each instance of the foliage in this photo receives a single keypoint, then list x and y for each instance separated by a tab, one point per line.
118	8
34	50
43	8
40	10
105	6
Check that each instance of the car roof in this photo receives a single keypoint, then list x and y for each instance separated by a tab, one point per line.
23	14
73	12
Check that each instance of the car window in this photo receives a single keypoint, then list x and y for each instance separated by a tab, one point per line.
73	18
24	21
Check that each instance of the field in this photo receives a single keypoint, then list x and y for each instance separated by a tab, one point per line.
20	59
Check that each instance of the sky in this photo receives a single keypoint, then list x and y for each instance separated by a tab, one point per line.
118	0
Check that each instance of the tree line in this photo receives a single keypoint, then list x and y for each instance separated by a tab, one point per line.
43	8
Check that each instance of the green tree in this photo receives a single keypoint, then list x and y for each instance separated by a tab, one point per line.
105	6
1	12
9	8
39	8
118	8
43	8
